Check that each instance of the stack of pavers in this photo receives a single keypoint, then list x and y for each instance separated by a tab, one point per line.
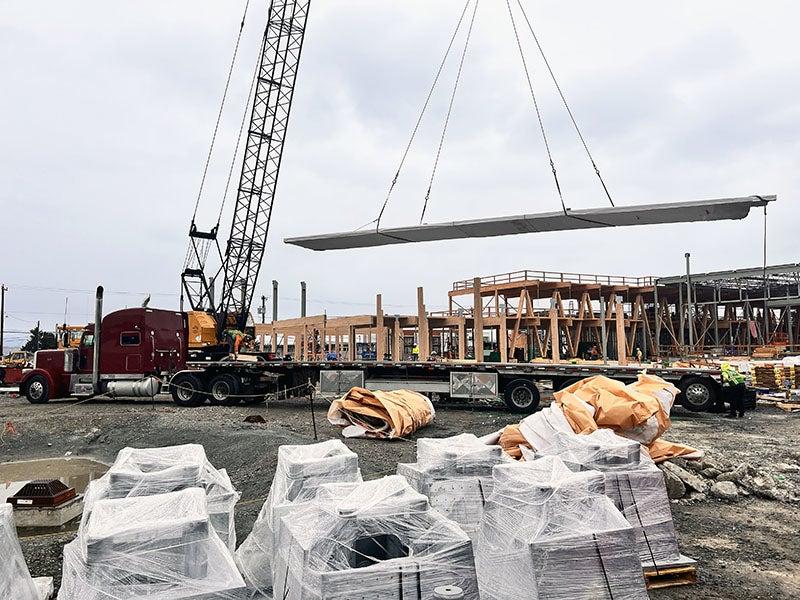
16	582
378	540
300	472
632	482
153	528
455	474
549	532
157	547
149	471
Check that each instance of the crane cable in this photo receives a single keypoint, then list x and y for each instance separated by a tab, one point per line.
421	116
221	108
564	100
449	110
536	106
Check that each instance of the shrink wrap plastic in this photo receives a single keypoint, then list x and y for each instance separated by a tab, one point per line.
149	471
370	541
301	470
455	474
15	579
159	547
549	533
631	481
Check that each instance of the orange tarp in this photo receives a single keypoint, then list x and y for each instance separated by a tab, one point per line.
511	439
366	413
637	411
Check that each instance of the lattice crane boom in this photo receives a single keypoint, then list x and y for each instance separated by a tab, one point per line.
281	49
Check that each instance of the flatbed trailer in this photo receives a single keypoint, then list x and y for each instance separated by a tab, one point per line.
517	384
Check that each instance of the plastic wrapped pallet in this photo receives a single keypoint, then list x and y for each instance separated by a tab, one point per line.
15	579
370	541
150	471
548	533
301	470
455	474
160	547
632	482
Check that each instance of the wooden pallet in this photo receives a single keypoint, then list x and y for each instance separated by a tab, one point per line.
681	572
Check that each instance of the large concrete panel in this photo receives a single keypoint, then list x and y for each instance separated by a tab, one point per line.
593	218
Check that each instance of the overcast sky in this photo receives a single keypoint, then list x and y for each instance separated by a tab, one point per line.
107	108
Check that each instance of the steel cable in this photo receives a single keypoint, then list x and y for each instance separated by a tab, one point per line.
421	116
449	111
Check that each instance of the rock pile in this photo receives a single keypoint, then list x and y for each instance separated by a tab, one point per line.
697	480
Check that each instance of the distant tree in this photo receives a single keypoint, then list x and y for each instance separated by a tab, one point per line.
46	340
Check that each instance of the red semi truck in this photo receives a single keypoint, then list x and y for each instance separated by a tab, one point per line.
138	352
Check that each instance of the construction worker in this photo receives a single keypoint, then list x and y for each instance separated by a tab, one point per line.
234	339
734	381
415	352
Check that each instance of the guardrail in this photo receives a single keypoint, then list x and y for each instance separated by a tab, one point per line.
553	276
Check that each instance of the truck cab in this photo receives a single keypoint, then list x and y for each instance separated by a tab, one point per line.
135	344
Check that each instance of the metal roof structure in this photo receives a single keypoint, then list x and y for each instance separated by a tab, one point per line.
593	218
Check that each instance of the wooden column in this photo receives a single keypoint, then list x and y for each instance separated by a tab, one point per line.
462	340
622	353
477	317
502	335
351	343
555	338
422	330
397	353
380	348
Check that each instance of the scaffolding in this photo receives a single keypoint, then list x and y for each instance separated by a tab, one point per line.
531	314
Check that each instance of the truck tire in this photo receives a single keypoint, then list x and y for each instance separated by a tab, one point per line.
698	394
37	389
224	390
521	396
565	383
187	390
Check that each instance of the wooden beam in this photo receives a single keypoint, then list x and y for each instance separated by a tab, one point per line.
423	333
622	353
555	345
477	319
380	347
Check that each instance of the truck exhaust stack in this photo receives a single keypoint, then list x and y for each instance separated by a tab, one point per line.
98	319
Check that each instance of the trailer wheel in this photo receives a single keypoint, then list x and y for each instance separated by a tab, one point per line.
698	394
187	390
224	390
37	390
521	396
565	383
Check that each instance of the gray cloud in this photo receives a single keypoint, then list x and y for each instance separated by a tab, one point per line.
106	112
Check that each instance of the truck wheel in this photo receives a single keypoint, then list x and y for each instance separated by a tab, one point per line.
187	390
224	390
521	396
566	383
37	389
698	394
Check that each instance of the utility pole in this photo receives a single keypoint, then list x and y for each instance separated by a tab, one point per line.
3	290
689	302
274	300
263	309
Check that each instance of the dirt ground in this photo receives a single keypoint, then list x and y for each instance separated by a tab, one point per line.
748	549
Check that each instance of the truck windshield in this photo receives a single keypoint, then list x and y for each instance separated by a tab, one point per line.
88	340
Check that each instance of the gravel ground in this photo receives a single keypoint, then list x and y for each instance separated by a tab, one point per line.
745	550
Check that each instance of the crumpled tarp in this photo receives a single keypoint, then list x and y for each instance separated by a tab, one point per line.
378	414
638	411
